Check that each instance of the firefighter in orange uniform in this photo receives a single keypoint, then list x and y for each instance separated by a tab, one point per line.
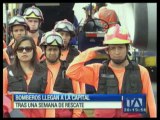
34	18
26	75
52	43
18	28
68	52
127	77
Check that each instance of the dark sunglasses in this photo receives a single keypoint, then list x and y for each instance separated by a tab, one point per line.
27	49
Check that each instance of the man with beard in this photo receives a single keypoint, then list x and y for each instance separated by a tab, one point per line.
52	43
34	18
118	75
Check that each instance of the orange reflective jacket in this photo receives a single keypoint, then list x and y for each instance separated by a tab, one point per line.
5	57
33	113
89	74
54	68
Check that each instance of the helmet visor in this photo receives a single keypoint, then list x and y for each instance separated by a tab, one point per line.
29	11
54	38
17	19
64	26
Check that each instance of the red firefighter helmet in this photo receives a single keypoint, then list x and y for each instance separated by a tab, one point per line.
109	16
117	35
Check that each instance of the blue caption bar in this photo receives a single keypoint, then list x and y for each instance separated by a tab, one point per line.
67	97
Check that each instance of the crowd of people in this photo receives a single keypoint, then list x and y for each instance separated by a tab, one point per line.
37	62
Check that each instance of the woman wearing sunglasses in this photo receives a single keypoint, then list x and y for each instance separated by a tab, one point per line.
34	18
18	28
26	75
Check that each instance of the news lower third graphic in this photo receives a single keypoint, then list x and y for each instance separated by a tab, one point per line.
65	101
129	102
134	103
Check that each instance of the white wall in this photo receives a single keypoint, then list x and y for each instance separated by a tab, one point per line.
124	12
4	13
79	12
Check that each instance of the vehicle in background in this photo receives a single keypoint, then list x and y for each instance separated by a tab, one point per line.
142	25
137	17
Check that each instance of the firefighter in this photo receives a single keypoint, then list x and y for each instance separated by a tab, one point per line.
67	31
26	75
18	28
17	23
128	77
68	52
34	18
52	43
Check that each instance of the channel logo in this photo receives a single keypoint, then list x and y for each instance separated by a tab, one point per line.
134	103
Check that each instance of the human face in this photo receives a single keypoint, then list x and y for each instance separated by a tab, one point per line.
52	53
18	31
117	53
66	37
33	23
25	55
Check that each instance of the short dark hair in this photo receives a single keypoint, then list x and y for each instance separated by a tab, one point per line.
11	27
16	63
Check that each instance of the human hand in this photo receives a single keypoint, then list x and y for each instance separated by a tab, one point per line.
99	50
